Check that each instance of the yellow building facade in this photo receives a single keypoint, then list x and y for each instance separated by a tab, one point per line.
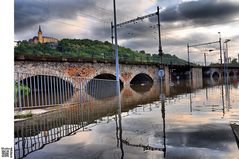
43	39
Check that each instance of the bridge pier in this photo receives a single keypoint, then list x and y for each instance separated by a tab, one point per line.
197	78
167	75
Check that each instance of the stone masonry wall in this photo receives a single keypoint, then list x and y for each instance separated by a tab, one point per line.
83	70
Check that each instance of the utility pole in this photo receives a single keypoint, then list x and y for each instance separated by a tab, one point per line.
220	45
112	33
202	44
140	19
226	61
159	32
117	78
112	39
205	59
188	54
116	48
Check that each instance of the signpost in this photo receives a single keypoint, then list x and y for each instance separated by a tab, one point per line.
161	74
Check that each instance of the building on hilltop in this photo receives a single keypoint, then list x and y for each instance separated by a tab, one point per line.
42	39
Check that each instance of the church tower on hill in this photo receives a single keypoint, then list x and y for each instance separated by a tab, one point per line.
40	38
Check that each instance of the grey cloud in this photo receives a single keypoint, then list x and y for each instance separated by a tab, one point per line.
193	38
201	11
166	3
102	32
28	12
141	44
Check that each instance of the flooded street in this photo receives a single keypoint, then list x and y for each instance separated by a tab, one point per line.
193	122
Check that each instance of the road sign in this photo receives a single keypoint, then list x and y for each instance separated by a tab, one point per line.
161	73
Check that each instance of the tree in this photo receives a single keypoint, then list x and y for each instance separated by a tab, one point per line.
234	61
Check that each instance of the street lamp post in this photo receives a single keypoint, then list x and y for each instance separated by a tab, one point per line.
226	57
205	57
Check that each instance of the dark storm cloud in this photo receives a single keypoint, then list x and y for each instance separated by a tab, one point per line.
102	32
201	11
28	12
193	38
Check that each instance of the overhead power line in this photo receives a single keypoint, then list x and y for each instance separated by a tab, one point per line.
136	19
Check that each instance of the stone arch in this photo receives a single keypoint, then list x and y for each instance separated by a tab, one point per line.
215	74
231	73
141	78
143	70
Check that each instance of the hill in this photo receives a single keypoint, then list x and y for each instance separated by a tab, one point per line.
86	48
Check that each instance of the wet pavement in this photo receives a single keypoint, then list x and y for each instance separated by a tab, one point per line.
192	123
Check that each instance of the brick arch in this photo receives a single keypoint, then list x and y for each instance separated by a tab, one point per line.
146	71
215	71
144	74
231	73
106	71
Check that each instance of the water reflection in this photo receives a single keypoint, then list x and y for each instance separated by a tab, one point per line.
138	128
100	89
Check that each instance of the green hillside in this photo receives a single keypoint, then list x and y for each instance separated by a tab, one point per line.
85	48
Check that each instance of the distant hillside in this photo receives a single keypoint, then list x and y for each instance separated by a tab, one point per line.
86	48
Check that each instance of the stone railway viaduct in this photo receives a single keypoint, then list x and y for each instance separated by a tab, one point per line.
129	73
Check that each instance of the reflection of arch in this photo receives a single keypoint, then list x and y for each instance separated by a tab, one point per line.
142	79
102	86
142	88
213	81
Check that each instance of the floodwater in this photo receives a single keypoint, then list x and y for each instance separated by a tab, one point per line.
193	122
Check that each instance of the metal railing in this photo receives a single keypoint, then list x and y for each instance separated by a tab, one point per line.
32	135
44	90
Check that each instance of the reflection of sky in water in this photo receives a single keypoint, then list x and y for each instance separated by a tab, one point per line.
201	132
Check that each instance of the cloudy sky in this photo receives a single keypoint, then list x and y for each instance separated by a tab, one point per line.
182	22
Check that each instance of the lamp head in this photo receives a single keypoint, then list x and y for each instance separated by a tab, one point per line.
227	40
